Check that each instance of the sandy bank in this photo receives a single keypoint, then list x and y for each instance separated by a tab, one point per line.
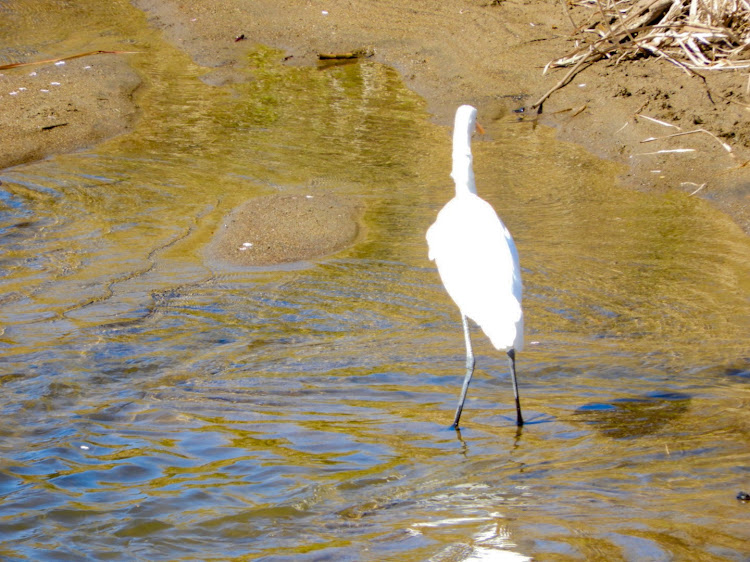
491	54
52	108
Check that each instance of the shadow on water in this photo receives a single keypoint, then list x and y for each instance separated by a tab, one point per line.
159	408
635	417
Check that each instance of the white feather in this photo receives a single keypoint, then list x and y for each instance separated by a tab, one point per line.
474	252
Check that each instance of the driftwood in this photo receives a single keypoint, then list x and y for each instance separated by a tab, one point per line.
693	34
63	59
356	54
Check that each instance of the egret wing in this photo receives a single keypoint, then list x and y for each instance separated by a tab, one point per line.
478	264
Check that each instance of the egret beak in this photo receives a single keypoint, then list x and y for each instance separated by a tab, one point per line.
480	129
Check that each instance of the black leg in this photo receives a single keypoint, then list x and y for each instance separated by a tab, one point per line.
469	372
512	360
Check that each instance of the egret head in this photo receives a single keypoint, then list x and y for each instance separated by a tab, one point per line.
463	128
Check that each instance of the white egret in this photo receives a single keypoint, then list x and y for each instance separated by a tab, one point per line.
477	261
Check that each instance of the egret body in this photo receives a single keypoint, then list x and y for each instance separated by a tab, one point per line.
477	261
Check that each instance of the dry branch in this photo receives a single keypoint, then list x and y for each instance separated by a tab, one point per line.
62	59
693	34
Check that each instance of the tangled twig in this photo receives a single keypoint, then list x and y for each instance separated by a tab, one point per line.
693	34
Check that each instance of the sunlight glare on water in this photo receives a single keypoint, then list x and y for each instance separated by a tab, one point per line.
157	407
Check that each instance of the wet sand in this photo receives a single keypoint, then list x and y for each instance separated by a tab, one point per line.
277	229
52	108
484	53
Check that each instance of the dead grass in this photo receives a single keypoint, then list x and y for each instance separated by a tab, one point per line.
693	34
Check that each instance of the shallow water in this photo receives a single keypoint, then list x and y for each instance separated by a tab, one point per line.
156	407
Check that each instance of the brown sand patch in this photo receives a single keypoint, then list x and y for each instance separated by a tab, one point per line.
52	108
279	229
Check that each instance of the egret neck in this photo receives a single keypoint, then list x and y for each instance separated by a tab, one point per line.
463	171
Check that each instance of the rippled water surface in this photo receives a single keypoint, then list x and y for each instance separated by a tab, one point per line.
156	407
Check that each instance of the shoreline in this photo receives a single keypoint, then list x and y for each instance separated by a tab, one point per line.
490	55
